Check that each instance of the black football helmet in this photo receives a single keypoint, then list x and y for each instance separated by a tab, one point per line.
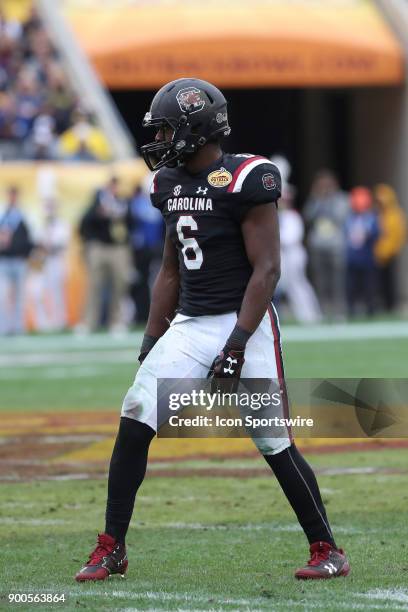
195	110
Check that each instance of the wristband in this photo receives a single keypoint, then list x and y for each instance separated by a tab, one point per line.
147	345
238	339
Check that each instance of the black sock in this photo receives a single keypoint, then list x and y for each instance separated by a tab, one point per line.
126	473
299	484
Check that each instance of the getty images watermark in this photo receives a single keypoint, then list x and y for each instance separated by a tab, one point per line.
197	408
210	402
319	408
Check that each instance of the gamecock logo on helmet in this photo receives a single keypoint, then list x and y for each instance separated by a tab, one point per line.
268	181
190	100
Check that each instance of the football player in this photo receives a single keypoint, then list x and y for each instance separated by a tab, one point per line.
211	308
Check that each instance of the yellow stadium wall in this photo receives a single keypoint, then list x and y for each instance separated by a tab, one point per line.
17	9
73	186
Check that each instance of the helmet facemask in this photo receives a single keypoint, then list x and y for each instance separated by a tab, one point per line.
186	140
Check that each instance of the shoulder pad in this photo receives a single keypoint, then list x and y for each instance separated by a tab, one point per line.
266	171
153	185
156	188
255	181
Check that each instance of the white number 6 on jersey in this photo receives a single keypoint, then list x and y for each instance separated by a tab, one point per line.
191	244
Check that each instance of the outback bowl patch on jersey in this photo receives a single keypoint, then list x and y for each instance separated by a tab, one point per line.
219	178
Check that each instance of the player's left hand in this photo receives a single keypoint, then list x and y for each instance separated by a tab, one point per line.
225	370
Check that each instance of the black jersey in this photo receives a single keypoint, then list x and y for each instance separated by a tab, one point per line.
203	214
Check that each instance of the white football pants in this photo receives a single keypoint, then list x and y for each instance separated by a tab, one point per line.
187	350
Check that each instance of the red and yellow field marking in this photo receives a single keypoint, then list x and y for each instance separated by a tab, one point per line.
104	423
62	423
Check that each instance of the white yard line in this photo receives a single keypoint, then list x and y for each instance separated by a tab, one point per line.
40	359
34	522
69	342
347	605
346	331
249	527
188	526
395	595
214	600
91	354
48	372
61	372
290	333
211	600
208	598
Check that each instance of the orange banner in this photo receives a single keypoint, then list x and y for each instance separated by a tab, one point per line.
239	44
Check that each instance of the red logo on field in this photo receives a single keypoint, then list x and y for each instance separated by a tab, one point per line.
190	100
268	181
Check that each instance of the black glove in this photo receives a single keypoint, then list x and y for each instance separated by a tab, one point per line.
147	345
226	368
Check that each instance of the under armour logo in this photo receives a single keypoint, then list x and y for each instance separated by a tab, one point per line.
330	567
231	362
177	190
202	190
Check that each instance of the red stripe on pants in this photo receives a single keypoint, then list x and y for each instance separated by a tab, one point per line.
279	367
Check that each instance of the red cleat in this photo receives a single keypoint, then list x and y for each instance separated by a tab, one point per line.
108	558
325	562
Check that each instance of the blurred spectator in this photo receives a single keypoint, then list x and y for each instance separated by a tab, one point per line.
146	239
9	29
37	104
84	141
28	100
42	143
362	231
33	22
104	230
60	98
49	271
393	236
285	169
293	281
293	284
7	116
15	246
325	213
41	55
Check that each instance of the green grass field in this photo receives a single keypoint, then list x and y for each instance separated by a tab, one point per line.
211	532
213	543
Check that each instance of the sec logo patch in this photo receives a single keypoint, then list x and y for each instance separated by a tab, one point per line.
268	181
219	178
